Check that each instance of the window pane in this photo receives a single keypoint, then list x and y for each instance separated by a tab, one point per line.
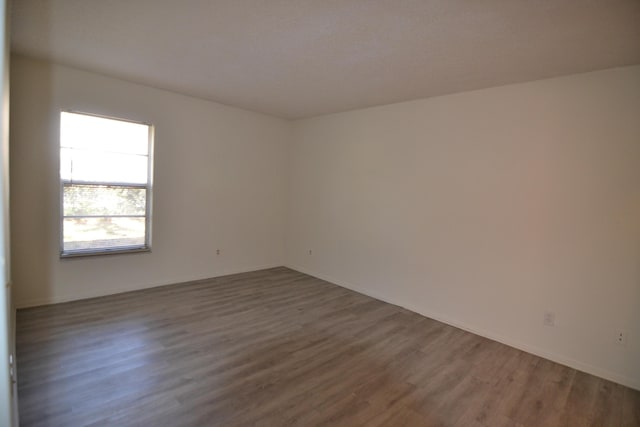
103	233
101	134
103	200
94	166
104	168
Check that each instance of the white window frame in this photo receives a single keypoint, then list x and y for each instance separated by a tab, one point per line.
146	247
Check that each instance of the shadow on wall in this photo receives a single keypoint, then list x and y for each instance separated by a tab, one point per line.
34	183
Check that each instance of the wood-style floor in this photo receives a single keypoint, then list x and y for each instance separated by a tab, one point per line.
277	348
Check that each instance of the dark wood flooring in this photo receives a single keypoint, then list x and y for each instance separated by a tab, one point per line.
279	348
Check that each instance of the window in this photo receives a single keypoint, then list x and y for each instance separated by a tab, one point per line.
105	173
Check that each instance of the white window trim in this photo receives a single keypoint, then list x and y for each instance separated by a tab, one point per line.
149	202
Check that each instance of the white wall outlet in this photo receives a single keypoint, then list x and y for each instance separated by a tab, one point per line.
549	318
621	337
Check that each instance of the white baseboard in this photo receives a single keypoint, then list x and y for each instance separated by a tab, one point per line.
56	299
544	353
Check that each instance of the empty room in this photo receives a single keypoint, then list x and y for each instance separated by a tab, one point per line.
306	213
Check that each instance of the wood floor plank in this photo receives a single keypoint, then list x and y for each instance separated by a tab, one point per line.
280	348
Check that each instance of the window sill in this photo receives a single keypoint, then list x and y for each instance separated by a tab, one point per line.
101	252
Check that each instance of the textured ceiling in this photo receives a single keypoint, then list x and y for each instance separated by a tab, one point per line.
301	58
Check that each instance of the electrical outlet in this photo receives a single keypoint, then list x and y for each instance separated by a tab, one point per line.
310	252
549	318
621	337
217	251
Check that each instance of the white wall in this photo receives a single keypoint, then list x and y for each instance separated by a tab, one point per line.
219	184
8	388
484	209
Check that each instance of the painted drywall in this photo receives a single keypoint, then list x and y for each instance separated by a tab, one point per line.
484	209
219	184
8	388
